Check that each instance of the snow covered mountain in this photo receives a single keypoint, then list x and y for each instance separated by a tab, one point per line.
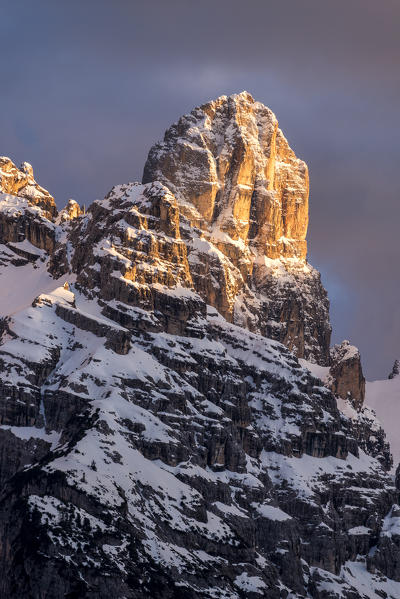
173	423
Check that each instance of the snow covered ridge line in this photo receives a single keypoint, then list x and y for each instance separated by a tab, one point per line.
160	437
112	464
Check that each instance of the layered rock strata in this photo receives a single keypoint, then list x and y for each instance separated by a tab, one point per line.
152	446
241	187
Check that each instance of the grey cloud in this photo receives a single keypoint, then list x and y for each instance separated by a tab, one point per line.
87	87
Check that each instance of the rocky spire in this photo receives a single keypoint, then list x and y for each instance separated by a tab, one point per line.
229	159
243	197
71	211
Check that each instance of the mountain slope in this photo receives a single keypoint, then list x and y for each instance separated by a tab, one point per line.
154	443
236	179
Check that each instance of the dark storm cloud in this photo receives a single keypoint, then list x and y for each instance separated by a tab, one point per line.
88	86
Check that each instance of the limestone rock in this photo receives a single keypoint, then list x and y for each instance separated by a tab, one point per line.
22	226
231	162
214	445
72	210
156	440
27	212
20	182
243	198
347	379
386	554
128	249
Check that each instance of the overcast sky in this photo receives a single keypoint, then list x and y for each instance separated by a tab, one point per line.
87	87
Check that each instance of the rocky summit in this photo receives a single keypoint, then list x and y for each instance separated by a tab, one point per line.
173	421
242	191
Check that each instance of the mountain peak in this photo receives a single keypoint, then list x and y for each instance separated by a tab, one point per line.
243	191
243	96
157	441
20	182
231	162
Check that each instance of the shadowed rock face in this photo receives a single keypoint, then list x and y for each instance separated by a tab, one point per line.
347	379
152	447
395	370
27	211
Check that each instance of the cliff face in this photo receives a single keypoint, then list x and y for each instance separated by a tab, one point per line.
154	447
231	162
395	370
347	379
243	196
26	213
20	182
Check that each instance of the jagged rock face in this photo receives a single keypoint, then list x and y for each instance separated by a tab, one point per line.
21	227
135	230
229	159
296	312
71	211
26	215
150	448
133	253
346	375
243	199
367	430
386	556
211	462
20	182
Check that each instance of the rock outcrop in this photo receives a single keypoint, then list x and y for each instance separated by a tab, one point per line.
239	184
229	160
346	375
156	438
27	212
20	182
71	211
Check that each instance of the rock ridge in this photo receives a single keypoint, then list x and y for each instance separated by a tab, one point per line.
157	439
238	182
229	160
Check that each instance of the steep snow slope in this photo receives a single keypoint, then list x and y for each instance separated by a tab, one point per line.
20	285
384	398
